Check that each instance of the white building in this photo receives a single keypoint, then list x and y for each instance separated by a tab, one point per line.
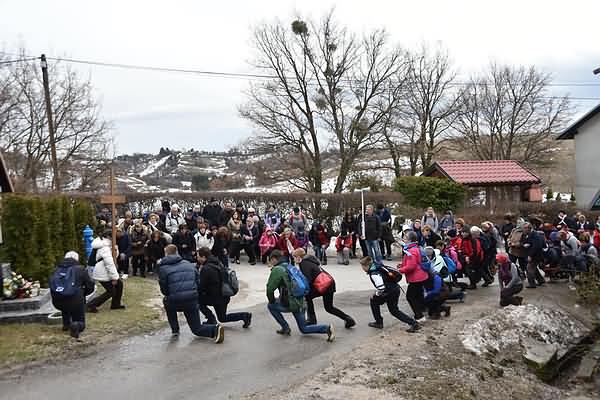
586	133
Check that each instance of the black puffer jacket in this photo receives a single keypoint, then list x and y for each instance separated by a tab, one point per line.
211	281
372	227
179	280
311	268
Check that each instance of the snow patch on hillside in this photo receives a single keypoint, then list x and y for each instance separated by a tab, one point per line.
154	166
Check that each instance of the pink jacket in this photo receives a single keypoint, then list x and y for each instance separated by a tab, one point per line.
267	242
411	266
451	252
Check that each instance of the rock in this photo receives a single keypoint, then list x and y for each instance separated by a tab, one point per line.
539	355
588	365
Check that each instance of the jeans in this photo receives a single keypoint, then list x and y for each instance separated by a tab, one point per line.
115	292
192	316
374	250
72	313
329	307
391	299
276	309
343	257
416	298
321	254
221	311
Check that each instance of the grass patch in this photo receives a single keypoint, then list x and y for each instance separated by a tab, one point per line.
24	343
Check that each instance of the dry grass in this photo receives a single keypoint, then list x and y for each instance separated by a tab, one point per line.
26	343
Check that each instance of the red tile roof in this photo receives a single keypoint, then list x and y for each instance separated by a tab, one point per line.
492	172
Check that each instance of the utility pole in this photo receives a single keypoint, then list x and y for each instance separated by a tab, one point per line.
52	139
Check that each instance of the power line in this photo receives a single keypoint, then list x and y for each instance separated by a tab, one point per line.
19	60
251	76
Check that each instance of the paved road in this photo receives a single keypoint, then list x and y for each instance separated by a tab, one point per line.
155	367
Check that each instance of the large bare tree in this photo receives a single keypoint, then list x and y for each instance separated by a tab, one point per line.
81	134
430	103
328	87
508	113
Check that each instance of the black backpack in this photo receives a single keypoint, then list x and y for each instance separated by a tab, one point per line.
389	274
230	286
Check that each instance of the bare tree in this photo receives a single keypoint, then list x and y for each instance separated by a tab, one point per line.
508	114
323	78
80	131
430	104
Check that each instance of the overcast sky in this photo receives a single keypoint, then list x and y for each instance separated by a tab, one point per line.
153	109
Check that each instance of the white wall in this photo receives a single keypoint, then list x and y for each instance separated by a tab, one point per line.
587	162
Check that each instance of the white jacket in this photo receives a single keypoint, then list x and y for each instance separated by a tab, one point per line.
438	263
204	240
172	222
105	269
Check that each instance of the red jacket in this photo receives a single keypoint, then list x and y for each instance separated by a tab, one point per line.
411	265
456	242
341	242
472	249
282	244
596	239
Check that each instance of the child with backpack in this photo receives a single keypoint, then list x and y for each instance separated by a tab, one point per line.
387	291
69	284
292	287
414	267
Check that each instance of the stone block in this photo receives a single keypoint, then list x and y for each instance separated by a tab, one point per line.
32	303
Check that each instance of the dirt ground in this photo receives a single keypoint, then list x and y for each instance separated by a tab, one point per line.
433	364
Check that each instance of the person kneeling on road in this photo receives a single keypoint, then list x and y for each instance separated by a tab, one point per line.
212	274
179	282
386	292
436	293
69	285
281	280
509	280
311	269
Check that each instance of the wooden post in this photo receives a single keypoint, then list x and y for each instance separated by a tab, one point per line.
113	200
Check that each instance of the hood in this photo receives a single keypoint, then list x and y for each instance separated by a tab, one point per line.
99	243
171	259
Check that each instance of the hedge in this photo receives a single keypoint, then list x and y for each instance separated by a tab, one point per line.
39	230
422	192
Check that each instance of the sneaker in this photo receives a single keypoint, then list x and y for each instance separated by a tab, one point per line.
422	319
174	335
389	258
376	325
74	330
284	332
237	261
414	328
349	323
247	321
446	311
220	335
330	333
486	284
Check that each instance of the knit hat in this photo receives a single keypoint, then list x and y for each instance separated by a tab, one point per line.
502	258
452	233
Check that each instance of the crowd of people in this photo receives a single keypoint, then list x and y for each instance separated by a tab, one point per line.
439	258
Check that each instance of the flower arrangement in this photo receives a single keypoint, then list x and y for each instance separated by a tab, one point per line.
16	287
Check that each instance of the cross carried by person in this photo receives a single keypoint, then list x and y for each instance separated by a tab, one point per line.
113	200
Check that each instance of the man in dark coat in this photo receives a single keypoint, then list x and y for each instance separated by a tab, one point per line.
211	212
534	242
311	268
73	308
372	233
211	294
179	282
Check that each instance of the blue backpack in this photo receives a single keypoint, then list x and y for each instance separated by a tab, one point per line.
425	262
62	282
449	263
298	282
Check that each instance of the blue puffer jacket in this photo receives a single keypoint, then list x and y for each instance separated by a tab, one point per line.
179	279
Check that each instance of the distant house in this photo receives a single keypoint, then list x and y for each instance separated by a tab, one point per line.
5	182
586	133
498	180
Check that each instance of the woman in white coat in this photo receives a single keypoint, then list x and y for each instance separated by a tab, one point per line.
106	273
